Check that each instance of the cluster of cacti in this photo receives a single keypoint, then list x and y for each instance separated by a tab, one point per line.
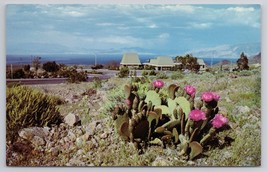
177	119
26	107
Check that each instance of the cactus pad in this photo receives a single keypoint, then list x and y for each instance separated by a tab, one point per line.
184	104
153	96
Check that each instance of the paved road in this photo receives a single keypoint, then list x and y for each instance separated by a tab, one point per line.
54	80
37	81
106	74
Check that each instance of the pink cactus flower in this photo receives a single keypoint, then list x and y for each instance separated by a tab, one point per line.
197	115
219	120
216	96
158	83
127	102
207	96
190	90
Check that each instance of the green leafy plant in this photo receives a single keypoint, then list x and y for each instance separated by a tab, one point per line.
161	75
26	107
124	72
177	75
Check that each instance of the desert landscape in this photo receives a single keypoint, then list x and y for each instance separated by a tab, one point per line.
87	134
133	85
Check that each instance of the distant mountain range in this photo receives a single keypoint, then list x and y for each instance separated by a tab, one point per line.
255	59
228	51
222	51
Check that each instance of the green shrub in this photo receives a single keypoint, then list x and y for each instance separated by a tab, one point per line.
124	72
161	75
245	73
19	73
177	75
152	73
144	73
51	66
74	76
26	107
97	83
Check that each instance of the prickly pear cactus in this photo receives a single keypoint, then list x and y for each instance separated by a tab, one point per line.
153	96
178	119
184	104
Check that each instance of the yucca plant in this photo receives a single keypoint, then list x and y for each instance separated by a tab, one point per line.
26	107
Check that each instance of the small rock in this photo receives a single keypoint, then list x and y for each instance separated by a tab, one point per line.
191	163
80	152
242	109
71	119
54	151
29	133
159	161
38	141
90	129
71	136
79	142
104	135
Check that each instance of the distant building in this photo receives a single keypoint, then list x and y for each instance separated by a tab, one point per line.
130	59
161	62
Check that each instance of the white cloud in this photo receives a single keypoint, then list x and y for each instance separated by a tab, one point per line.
200	25
241	9
164	36
74	13
180	8
152	26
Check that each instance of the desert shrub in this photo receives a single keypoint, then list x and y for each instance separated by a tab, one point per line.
124	72
77	77
74	76
51	66
26	107
98	66
97	83
177	75
19	73
161	75
113	65
152	73
27	68
245	73
89	92
144	73
149	67
114	97
94	72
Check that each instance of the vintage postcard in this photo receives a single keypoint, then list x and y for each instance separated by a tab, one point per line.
133	85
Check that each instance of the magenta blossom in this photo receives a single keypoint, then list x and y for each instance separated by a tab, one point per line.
158	83
216	96
207	96
219	120
190	90
197	115
127	102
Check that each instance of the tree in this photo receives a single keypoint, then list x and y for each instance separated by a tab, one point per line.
51	66
124	72
27	68
19	73
36	62
242	62
188	62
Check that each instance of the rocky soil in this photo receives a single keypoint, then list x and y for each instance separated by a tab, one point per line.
87	136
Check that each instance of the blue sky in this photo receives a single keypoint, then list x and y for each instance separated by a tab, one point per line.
165	29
